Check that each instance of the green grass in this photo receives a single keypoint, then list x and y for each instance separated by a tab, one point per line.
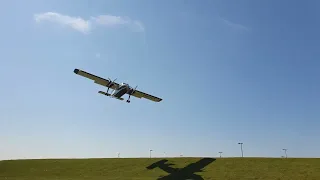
125	168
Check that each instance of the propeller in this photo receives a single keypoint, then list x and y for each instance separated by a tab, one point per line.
133	90
110	84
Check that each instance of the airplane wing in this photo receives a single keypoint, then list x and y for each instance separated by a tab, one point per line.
96	79
139	94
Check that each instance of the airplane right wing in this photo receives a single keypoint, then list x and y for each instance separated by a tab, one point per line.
96	79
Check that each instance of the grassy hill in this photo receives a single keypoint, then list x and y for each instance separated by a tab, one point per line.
162	169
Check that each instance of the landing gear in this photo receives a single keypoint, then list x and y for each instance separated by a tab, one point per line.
108	91
128	101
130	92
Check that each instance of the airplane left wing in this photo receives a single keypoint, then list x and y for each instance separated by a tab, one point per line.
139	94
96	79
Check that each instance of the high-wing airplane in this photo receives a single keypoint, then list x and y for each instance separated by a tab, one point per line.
118	89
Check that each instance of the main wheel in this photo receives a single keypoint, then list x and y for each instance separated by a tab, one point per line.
128	101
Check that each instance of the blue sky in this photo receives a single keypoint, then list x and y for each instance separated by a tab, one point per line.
228	72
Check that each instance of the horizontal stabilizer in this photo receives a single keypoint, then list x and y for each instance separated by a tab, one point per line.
107	94
104	93
118	98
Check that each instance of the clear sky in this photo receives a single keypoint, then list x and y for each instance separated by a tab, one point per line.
228	72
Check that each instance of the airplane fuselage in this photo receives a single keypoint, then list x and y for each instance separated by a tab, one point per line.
122	90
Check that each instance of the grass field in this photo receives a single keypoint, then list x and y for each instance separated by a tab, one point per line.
164	169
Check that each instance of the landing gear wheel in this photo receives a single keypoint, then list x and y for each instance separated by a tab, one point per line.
128	101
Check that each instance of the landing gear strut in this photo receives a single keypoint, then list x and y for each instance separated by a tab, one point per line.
108	91
130	93
128	101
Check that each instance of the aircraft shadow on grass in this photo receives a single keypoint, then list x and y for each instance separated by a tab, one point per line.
186	173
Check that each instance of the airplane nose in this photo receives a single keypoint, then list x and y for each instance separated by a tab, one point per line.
76	71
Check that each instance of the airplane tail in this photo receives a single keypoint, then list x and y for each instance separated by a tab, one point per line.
107	94
117	98
104	93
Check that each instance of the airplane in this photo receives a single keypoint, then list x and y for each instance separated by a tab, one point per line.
118	89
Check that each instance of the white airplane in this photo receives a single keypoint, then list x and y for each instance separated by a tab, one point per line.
118	89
